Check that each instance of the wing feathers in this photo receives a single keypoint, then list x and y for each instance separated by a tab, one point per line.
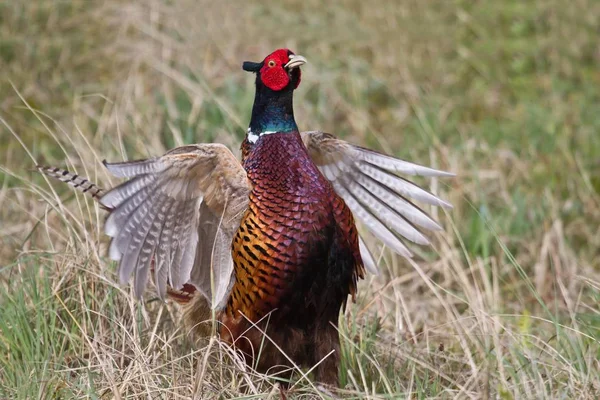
367	181
126	222
375	225
185	242
132	240
127	208
163	259
409	210
401	185
367	257
157	215
222	277
130	169
397	165
384	213
115	197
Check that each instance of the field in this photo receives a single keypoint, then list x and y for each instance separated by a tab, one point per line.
503	93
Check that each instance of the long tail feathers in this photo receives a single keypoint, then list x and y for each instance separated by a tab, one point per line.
79	183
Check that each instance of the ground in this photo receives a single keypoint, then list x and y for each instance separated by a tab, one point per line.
504	94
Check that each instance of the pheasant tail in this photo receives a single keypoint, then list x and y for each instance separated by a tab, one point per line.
78	182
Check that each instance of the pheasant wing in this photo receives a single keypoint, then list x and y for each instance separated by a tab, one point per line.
369	184
181	210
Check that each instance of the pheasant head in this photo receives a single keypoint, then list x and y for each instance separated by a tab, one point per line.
277	76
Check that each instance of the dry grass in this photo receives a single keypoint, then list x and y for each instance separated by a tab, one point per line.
502	93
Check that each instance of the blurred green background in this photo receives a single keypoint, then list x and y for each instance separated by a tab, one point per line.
504	93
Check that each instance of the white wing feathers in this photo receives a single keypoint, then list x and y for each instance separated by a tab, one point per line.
368	183
367	258
181	210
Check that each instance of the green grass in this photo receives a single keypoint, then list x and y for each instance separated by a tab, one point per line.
503	93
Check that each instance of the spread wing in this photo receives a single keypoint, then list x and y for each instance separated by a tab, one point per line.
369	184
181	210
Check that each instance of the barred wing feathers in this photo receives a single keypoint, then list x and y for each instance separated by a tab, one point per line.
181	210
369	184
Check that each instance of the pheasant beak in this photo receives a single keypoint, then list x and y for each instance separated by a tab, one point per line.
295	61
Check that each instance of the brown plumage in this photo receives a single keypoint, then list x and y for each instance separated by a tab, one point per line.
270	244
296	260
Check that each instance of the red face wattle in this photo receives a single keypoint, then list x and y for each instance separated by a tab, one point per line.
273	74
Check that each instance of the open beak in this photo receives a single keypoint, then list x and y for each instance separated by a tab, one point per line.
295	61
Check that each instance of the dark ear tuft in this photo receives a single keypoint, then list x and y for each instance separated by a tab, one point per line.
251	66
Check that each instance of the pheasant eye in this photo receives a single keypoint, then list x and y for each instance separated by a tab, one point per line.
271	63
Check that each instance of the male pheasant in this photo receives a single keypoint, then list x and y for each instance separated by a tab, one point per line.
270	244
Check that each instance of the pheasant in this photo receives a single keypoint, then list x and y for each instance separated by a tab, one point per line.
269	244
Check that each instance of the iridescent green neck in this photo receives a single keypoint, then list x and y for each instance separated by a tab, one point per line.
273	111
